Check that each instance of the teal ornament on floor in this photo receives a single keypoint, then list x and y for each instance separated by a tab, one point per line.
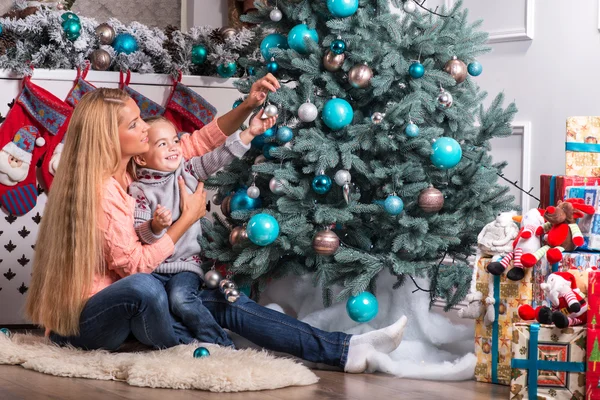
337	113
285	134
6	331
338	46
297	36
321	184
240	201
393	205
411	130
199	54
237	103
227	70
263	229
69	15
475	68
72	29
446	154
267	150
125	43
342	8
363	307
201	352
272	66
272	41
416	70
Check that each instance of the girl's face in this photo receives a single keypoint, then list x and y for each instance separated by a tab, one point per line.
165	151
133	131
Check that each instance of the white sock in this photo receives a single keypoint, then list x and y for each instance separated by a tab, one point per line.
384	340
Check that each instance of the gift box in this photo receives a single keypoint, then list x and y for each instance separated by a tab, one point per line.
554	187
548	362
589	224
492	342
593	338
582	146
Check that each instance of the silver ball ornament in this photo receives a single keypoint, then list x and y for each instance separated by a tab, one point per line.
445	99
308	112
333	62
360	76
271	110
275	15
212	279
226	33
232	295
409	6
105	33
342	177
100	60
253	192
377	117
276	185
226	284
217	200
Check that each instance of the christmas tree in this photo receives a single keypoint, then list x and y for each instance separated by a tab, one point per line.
380	156
595	354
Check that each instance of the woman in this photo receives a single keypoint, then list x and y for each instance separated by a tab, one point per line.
92	285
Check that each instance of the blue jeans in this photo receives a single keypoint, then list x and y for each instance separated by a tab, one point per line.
138	305
185	303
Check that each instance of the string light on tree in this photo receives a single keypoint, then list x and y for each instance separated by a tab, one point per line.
416	70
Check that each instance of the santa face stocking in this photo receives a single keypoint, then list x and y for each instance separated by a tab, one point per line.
187	109
36	119
54	150
148	108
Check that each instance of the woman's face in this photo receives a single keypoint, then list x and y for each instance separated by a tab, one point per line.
133	131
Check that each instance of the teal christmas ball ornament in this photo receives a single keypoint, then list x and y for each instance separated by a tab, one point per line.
0	29
338	46
342	8
321	184
475	68
69	15
237	103
274	40
446	153
199	54
201	352
72	29
125	43
227	70
267	150
251	71
337	113
284	134
411	130
272	66
259	141
363	307
298	34
393	205
262	229
5	331
416	70
240	201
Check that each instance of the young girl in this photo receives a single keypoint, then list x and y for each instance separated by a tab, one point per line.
91	284
156	193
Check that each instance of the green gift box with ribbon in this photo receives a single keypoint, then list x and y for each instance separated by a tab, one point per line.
583	146
548	362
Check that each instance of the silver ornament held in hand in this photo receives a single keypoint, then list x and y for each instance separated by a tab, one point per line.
445	99
275	15
342	177
333	62
105	33
231	295
377	117
212	279
308	112
276	185
271	110
253	192
360	76
226	284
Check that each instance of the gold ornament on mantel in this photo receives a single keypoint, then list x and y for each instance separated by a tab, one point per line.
457	69
105	33
100	60
326	242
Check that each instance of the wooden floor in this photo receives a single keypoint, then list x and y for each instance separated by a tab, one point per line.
19	383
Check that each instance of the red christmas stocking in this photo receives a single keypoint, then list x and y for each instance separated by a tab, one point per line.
54	150
36	118
148	108
187	109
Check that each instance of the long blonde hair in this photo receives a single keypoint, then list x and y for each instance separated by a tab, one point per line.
69	248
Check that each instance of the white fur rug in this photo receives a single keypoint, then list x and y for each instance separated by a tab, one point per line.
225	370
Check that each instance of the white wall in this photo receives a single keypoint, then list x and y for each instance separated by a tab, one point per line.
204	12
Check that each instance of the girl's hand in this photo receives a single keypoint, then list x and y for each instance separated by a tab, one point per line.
259	90
161	219
193	206
257	127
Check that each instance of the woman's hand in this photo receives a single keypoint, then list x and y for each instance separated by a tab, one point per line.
193	206
258	126
259	90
